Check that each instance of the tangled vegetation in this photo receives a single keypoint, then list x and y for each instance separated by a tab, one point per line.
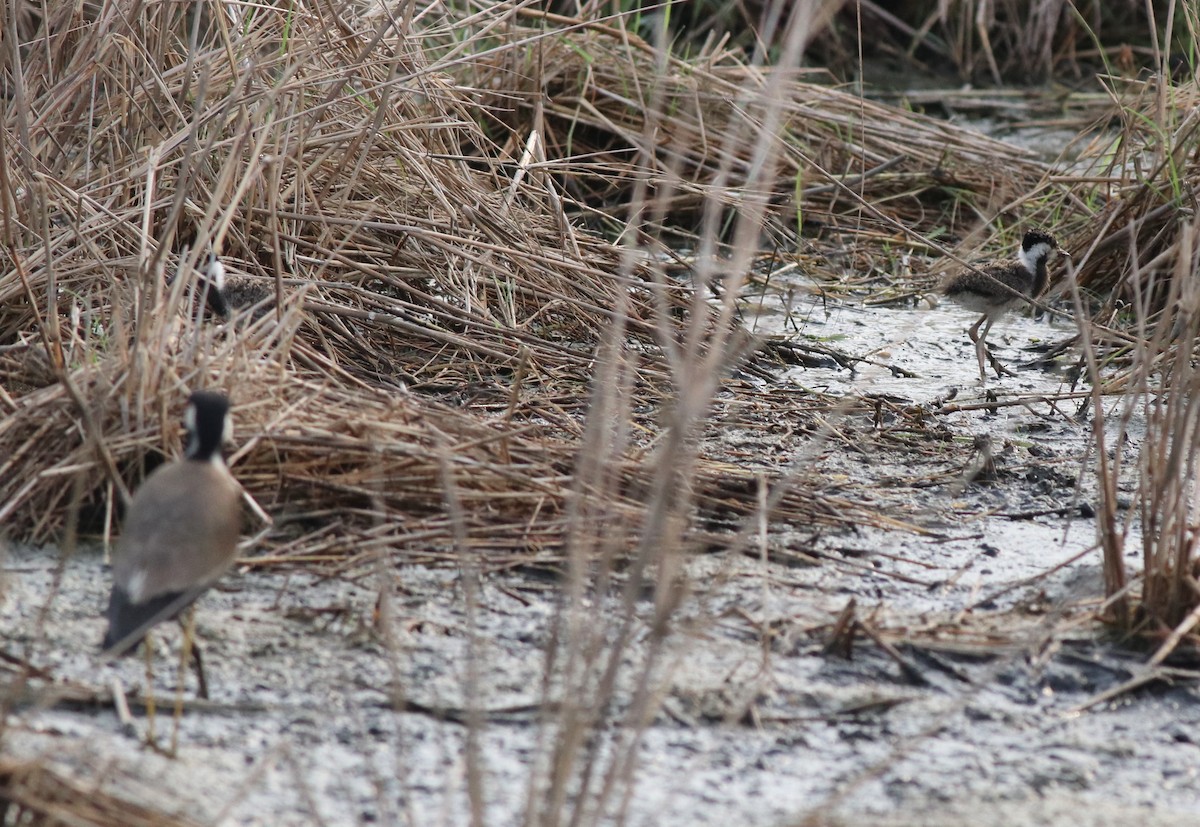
485	261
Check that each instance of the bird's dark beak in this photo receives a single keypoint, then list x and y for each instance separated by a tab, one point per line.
1063	252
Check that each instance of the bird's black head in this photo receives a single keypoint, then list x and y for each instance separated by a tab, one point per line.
208	425
1036	247
1035	237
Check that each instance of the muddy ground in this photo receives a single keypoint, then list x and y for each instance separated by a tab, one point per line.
982	701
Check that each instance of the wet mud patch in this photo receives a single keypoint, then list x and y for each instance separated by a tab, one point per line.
934	663
314	719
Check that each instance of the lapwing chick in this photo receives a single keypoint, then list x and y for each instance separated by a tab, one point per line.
222	297
180	533
993	289
212	286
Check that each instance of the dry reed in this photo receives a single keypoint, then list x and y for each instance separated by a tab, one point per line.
352	194
434	359
34	794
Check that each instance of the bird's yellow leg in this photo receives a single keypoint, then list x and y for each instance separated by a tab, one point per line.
147	649
185	655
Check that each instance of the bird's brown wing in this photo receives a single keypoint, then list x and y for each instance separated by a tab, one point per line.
180	532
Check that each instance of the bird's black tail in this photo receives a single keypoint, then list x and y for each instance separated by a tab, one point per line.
129	622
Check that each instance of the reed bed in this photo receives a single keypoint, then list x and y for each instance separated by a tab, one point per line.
1137	248
412	288
588	100
385	273
463	333
1140	194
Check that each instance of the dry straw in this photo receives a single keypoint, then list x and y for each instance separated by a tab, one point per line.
33	793
332	176
432	359
404	295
